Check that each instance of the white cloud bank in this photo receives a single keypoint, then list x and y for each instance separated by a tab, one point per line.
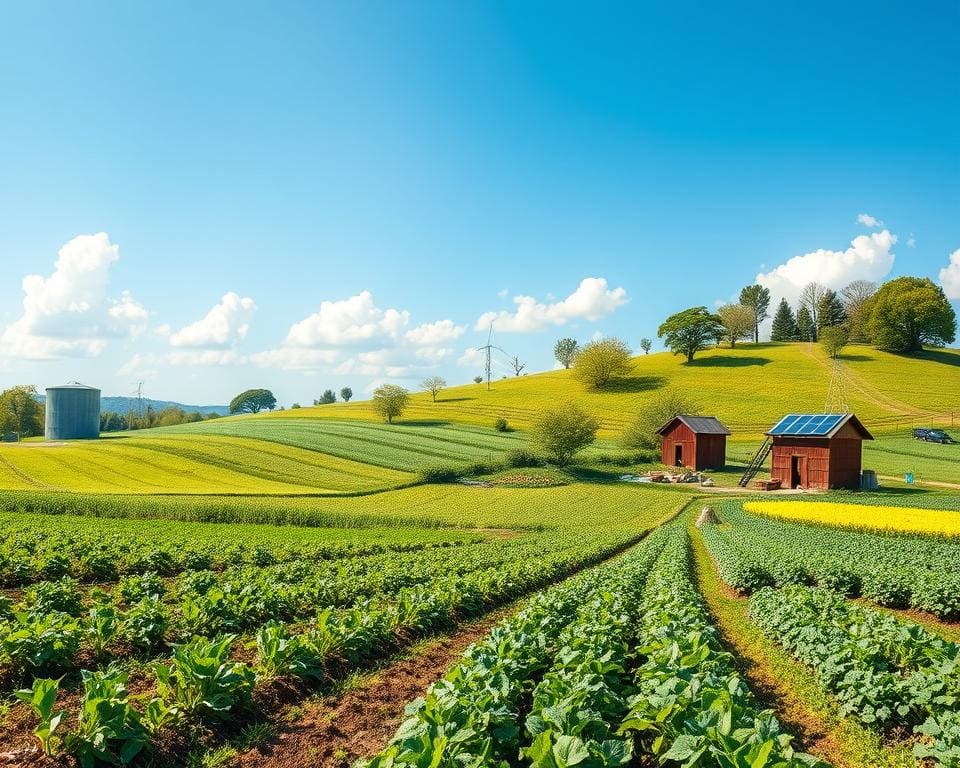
354	335
869	257
69	314
225	324
950	276
592	300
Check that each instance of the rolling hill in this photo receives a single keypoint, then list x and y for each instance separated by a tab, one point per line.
343	449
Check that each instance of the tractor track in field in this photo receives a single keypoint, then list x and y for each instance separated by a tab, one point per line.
338	729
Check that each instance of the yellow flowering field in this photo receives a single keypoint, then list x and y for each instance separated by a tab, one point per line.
939	522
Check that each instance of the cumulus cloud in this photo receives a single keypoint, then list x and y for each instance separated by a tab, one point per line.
69	313
472	358
869	221
950	276
356	321
225	324
431	334
591	300
356	336
869	257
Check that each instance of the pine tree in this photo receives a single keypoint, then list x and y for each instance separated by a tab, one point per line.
784	323
830	310
806	330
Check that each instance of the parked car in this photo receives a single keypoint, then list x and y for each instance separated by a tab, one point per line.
933	436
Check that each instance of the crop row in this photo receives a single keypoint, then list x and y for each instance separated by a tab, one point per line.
49	547
145	615
616	663
203	682
895	571
882	671
866	517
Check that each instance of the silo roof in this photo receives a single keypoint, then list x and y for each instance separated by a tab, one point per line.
73	385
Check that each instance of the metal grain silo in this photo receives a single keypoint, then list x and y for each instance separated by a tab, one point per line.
72	412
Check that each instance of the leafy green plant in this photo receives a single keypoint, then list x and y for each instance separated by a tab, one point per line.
109	729
42	698
201	682
279	653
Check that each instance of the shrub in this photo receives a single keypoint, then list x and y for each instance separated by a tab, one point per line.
440	474
600	361
501	425
642	432
563	431
521	458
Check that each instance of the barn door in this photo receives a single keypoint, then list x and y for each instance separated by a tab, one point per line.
798	471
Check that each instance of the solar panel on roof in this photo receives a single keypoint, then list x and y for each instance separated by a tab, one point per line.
808	424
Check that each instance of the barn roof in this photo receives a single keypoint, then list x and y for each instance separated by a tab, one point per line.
816	425
699	425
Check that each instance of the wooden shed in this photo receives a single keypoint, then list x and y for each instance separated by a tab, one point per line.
695	442
818	450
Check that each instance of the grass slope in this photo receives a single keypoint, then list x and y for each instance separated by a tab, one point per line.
749	388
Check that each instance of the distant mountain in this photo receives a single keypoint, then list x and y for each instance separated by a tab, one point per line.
125	404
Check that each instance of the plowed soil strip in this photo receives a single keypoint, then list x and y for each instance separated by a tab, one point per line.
337	730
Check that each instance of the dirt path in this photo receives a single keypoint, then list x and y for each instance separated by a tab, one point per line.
337	730
787	687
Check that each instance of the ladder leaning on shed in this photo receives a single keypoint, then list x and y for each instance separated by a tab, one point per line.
756	462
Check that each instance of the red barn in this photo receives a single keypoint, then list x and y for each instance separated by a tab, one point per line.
818	450
695	442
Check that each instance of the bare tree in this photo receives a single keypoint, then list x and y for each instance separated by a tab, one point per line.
810	298
433	385
517	365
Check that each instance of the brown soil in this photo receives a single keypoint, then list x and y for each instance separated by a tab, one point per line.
338	729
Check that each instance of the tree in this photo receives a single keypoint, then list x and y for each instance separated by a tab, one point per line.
345	394
565	350
810	298
596	363
833	339
784	323
857	302
478	379
327	398
806	331
688	332
20	411
667	403
646	345
758	299
830	311
739	322
909	312
389	401
433	385
517	365
251	401
564	430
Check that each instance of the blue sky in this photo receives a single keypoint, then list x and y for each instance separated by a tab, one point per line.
418	165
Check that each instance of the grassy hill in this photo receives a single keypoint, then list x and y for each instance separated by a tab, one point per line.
344	449
749	388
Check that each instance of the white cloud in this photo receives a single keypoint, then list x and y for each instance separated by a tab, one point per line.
869	221
356	336
356	321
591	301
950	276
503	293
69	312
225	324
911	241
869	257
204	357
440	332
